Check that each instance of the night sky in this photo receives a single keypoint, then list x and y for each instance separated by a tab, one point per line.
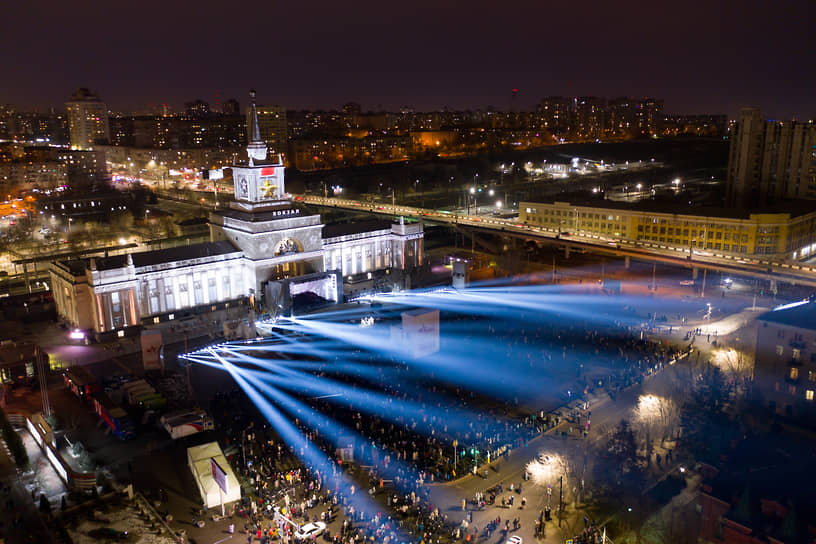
701	56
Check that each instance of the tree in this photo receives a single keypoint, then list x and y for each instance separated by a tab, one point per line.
655	418
14	442
617	467
736	365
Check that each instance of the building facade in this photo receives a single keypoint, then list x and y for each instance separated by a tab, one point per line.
762	236
260	247
87	120
362	248
770	161
272	127
785	368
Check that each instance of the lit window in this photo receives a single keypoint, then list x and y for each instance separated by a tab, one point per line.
120	334
809	394
171	317
155	320
794	373
797	353
779	349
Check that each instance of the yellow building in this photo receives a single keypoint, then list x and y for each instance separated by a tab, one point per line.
780	236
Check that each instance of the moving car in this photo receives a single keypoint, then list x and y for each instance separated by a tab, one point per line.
310	530
515	539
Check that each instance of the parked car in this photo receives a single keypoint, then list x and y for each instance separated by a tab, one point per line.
310	530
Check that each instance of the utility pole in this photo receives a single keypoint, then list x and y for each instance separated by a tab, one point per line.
189	363
654	269
560	498
43	379
702	289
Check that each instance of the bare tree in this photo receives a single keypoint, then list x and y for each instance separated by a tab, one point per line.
737	365
655	418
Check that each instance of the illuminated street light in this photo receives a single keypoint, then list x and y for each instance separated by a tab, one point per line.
546	468
498	204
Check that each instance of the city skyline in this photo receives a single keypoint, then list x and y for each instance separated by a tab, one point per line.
701	59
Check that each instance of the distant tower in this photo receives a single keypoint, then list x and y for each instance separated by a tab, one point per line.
87	120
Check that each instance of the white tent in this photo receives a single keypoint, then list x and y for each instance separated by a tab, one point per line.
198	458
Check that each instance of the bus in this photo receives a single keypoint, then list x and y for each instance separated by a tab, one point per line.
81	382
185	425
153	402
114	416
140	391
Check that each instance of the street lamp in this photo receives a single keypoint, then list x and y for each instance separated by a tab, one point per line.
473	196
543	470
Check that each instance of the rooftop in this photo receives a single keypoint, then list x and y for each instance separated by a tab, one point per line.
795	208
150	258
797	314
346	229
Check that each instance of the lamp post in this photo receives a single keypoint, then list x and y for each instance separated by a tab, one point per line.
543	470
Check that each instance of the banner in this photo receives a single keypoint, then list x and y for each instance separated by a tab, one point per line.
151	349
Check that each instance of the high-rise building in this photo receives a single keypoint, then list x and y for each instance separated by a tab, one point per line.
590	117
649	114
231	107
197	108
770	161
87	120
272	126
623	118
558	113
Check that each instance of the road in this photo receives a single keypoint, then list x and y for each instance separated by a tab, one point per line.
605	414
781	271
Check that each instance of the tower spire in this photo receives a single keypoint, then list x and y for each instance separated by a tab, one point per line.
253	131
256	148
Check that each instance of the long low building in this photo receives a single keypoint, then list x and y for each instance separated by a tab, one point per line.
787	234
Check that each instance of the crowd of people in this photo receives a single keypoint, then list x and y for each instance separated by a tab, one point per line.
407	430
